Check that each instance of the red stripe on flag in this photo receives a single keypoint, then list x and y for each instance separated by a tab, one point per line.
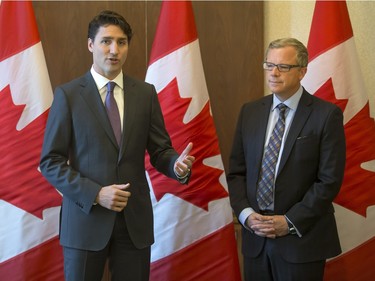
357	192
44	262
338	27
176	28
186	110
331	27
41	263
204	260
357	264
22	34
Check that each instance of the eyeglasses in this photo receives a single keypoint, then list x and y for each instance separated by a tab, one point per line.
280	67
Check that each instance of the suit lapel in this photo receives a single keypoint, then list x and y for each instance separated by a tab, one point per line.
302	114
262	122
258	127
92	97
130	107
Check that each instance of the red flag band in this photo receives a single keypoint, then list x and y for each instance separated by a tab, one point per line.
334	74
191	220
29	248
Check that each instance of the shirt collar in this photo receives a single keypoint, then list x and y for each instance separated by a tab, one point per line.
102	81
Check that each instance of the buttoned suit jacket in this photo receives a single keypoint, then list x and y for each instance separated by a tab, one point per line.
309	177
80	155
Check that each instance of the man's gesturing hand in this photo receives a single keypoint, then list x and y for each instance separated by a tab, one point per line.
114	197
184	162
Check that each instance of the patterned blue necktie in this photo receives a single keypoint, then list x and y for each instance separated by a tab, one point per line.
267	174
112	111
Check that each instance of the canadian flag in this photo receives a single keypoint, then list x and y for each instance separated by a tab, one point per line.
334	74
29	206
194	231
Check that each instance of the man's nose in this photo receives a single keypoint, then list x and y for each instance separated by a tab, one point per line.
275	71
114	48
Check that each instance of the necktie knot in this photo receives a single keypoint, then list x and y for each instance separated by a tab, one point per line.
282	108
111	86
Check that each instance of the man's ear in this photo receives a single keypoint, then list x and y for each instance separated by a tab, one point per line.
302	72
89	44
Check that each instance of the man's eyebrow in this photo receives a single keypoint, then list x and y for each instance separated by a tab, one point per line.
111	37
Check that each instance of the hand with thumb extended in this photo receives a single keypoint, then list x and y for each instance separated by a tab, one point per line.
184	162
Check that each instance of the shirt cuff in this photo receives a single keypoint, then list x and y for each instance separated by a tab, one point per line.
244	215
183	179
298	233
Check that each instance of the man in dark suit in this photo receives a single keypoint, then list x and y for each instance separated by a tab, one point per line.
282	193
99	168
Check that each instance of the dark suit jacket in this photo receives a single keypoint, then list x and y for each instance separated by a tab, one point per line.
80	155
309	176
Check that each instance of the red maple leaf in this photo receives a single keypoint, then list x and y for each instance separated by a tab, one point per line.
204	185
327	92
21	184
358	189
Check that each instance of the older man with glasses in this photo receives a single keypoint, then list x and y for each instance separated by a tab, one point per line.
286	167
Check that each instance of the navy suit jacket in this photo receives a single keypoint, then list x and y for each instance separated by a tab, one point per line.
80	155
309	177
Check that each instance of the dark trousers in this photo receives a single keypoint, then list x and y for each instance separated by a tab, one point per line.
126	262
270	266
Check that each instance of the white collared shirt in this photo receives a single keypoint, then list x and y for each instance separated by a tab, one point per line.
118	92
292	104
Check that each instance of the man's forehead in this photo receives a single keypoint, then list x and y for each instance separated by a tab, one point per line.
285	52
111	31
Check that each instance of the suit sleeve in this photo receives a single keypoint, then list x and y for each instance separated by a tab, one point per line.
318	199
159	147
54	163
237	171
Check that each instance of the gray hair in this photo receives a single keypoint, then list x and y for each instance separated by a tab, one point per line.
302	54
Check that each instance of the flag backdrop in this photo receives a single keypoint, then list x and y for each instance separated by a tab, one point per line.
334	74
194	231
29	206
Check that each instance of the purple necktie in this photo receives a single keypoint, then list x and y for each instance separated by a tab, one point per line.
112	111
267	174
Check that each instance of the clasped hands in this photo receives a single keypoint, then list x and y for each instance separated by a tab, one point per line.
268	226
115	197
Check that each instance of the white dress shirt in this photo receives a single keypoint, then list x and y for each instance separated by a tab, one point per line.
118	92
